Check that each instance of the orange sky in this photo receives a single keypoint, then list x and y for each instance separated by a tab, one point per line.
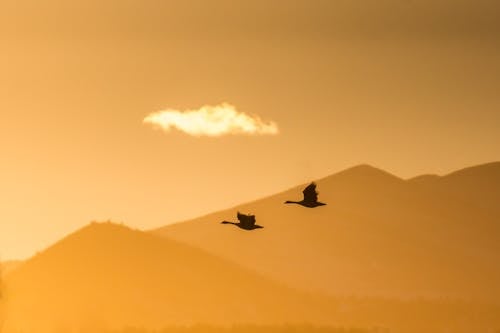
410	88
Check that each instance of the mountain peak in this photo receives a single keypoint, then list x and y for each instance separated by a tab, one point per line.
104	227
95	233
366	172
376	235
126	277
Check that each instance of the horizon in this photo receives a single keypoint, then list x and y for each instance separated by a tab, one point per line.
406	255
233	206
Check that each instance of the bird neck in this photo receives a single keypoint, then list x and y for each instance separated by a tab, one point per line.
227	222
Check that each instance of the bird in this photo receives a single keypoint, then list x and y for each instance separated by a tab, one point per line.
310	197
246	222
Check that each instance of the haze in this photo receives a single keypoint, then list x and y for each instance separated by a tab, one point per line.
410	87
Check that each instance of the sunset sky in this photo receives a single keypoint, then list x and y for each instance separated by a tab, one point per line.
411	87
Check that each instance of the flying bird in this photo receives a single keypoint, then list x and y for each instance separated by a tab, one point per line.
246	222
310	197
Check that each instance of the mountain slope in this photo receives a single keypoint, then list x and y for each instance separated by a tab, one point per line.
110	275
478	186
8	266
378	235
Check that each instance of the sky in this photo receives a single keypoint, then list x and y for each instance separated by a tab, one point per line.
410	87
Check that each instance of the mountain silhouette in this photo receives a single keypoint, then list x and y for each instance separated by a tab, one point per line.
477	186
430	236
7	266
115	276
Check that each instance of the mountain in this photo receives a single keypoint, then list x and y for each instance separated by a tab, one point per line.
107	275
379	235
478	186
8	266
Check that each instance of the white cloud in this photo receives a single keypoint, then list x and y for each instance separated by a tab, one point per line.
218	120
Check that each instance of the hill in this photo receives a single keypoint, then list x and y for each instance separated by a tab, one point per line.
107	275
7	266
379	235
478	186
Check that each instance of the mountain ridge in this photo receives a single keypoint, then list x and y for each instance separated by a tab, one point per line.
115	276
374	224
364	170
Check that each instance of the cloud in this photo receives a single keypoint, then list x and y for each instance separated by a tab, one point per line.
218	120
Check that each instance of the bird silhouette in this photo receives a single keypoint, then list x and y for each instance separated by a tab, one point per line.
310	197
246	222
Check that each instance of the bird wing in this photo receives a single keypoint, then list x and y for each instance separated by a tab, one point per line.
241	217
310	193
246	220
251	220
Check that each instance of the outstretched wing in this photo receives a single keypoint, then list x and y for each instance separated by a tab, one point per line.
310	193
241	217
246	220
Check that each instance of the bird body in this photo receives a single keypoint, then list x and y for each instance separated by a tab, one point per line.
310	197
306	204
246	222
